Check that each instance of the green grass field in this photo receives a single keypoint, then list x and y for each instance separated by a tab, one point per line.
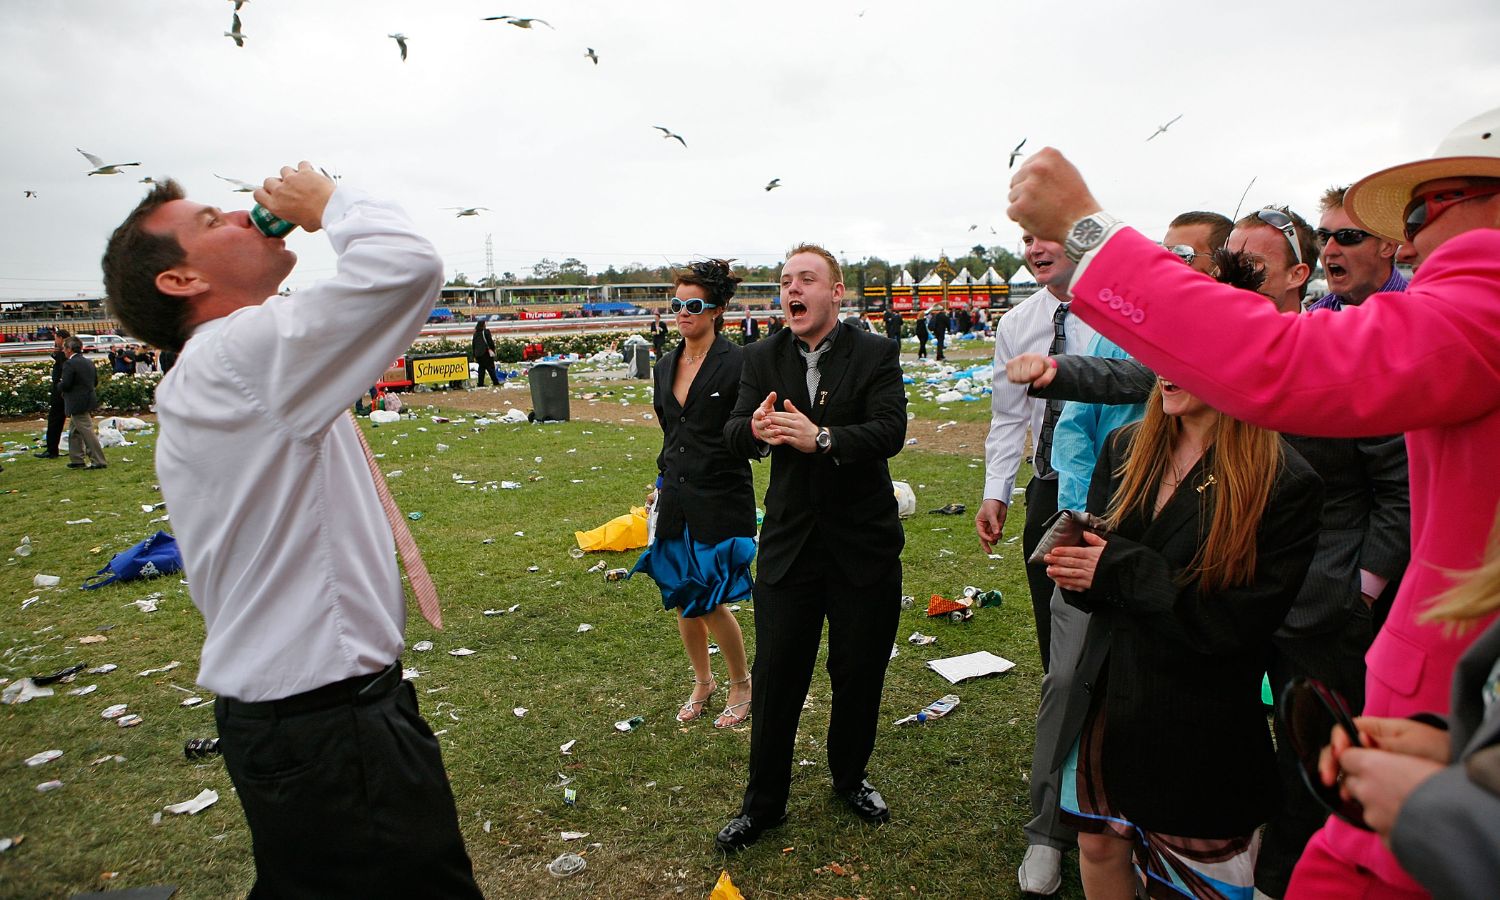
650	800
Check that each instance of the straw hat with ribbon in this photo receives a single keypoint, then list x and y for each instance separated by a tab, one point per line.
1378	202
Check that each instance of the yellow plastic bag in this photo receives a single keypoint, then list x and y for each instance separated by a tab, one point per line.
725	889
627	532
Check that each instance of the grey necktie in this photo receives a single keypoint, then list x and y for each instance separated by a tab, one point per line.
1043	457
813	376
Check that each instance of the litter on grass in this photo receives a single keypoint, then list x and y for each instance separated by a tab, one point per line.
970	665
45	756
422	646
206	798
462	651
567	864
22	690
574	835
166	668
934	710
921	639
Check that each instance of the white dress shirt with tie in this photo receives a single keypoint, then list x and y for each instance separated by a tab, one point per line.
289	555
1027	328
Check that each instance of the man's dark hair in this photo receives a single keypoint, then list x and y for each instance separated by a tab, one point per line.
132	260
1218	226
62	333
1306	240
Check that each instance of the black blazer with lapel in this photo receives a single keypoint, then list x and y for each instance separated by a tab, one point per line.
703	484
846	494
1186	747
76	385
1366	512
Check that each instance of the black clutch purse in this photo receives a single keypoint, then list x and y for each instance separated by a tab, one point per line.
1065	529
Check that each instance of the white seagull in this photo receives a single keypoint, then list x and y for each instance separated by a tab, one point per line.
517	21
100	168
31	195
668	135
1161	129
467	210
400	42
234	32
240	187
1016	153
592	55
775	183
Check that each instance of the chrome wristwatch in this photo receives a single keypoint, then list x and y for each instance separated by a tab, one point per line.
1087	233
824	440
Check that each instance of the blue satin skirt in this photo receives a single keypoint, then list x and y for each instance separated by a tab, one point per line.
695	577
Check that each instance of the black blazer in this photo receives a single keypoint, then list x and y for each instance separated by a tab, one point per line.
76	385
846	493
703	484
1187	750
483	343
1366	512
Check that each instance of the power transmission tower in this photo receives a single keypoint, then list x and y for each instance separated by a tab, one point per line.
489	258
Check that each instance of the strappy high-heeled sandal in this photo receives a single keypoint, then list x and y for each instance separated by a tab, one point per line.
693	709
731	712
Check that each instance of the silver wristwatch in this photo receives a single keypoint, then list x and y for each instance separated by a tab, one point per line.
824	440
1087	233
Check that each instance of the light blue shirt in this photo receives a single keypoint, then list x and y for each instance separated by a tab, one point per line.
1079	435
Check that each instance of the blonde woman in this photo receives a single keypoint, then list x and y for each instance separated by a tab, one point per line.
1212	525
1433	795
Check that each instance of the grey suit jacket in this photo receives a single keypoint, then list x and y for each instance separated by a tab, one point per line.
1447	834
77	385
1366	515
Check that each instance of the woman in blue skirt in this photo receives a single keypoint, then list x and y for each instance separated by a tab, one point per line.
705	497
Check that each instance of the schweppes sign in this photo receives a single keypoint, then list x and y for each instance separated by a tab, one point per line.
440	368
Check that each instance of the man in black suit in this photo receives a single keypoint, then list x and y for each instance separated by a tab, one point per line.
79	399
482	346
55	413
939	328
825	402
892	324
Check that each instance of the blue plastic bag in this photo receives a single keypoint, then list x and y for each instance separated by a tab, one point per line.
156	555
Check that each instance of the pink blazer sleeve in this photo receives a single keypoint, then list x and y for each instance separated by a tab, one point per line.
1398	362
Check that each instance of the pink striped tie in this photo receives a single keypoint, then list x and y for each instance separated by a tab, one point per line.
411	557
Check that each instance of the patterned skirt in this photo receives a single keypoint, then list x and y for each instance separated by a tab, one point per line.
695	577
1172	867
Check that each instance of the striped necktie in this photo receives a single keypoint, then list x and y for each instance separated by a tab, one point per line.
406	545
1043	456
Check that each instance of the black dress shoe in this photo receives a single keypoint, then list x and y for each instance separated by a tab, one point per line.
78	465
867	803
742	831
45	455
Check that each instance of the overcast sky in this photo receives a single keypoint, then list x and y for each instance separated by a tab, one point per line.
888	123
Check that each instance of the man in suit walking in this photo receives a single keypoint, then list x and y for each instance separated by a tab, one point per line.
76	385
825	402
56	416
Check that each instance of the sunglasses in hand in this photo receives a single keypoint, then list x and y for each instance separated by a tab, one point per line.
1310	709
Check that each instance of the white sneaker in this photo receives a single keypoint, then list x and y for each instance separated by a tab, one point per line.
1041	870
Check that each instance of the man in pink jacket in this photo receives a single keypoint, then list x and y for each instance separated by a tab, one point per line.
1426	362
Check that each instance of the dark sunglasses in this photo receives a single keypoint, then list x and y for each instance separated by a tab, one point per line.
1284	224
694	306
1309	710
1184	252
1346	237
1423	209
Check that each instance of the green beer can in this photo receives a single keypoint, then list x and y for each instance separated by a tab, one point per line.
268	224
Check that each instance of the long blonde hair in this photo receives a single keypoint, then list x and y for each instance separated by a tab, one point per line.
1476	595
1245	462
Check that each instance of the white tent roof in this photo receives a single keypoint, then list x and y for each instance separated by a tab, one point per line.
1023	276
990	276
905	280
963	277
931	279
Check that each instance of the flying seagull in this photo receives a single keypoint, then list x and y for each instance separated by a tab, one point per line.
238	4
1014	154
592	55
400	42
30	195
147	180
517	21
100	167
973	227
775	183
240	187
467	210
1161	129
667	134
234	32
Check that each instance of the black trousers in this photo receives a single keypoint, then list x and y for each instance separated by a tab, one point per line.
1041	505
1338	660
937	340
789	618
344	791
56	419
487	367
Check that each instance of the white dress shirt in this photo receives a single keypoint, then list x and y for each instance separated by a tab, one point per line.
1025	329
289	555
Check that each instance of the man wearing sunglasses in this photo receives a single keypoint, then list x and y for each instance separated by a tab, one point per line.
1422	363
1283	242
1356	262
